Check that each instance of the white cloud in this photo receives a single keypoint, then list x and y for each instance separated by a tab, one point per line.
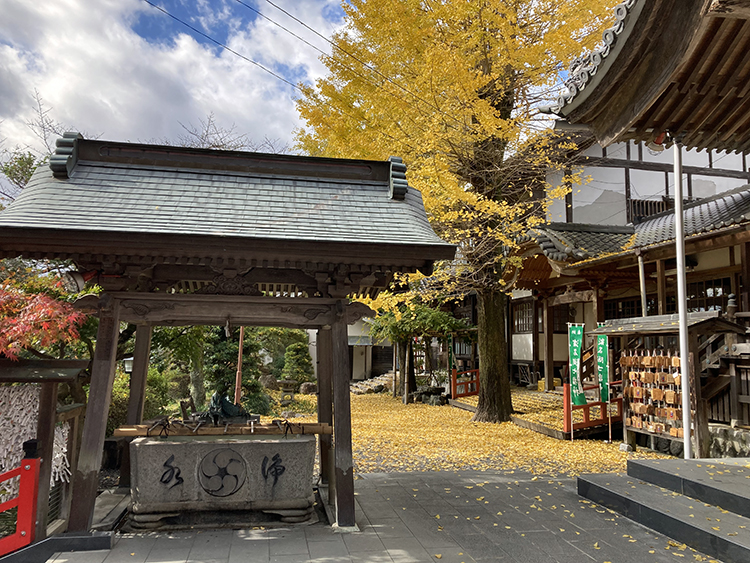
100	77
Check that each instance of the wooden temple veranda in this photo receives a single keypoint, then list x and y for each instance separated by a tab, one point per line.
178	236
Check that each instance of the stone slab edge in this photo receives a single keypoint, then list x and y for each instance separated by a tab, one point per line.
43	550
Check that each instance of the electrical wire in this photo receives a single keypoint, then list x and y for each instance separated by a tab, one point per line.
360	61
265	69
222	45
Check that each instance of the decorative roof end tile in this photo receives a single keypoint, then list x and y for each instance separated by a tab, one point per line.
66	154
399	185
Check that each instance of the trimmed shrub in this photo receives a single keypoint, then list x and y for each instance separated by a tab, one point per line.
298	363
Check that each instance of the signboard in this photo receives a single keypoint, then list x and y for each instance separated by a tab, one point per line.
575	342
602	365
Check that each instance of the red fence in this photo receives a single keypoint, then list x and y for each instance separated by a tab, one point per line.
466	388
588	422
26	501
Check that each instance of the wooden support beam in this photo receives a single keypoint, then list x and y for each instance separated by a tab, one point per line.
45	433
745	288
734	395
139	374
702	437
342	424
549	367
86	477
535	341
325	403
163	308
180	429
572	297
661	288
598	302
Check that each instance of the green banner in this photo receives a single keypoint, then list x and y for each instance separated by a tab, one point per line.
575	341
602	365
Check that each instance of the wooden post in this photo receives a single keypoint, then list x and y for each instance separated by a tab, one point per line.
549	367
139	374
325	403
342	423
745	293
700	420
45	433
73	441
535	341
86	477
598	303
661	287
238	375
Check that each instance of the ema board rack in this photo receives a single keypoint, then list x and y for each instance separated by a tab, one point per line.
653	392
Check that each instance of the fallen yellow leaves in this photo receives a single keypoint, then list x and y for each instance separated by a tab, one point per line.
542	408
389	436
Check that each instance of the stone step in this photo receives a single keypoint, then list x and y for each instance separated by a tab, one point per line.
721	482
707	528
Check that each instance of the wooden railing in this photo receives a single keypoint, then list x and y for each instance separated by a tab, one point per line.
466	388
25	502
588	422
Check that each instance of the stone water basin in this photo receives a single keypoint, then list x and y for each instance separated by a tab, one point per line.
179	478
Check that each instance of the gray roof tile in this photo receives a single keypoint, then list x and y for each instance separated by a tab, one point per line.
575	242
112	196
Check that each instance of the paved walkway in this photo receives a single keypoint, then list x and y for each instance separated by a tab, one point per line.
425	517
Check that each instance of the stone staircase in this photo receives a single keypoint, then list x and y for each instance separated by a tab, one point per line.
704	503
365	386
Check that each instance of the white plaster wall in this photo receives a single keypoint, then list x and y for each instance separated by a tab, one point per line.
559	347
602	199
361	362
522	347
712	260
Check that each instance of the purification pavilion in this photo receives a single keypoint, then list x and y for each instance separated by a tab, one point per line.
183	236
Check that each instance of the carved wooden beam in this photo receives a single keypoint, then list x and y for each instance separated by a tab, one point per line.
572	297
208	309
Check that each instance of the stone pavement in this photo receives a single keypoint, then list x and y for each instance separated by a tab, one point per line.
425	517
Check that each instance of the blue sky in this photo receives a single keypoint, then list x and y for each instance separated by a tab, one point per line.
122	70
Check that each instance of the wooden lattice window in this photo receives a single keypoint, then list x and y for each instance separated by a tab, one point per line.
523	317
709	295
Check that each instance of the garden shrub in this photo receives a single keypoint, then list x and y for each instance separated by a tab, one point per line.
298	363
157	398
255	400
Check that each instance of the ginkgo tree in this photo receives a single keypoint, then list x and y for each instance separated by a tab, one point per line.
453	87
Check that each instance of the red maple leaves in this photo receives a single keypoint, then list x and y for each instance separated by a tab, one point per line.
34	320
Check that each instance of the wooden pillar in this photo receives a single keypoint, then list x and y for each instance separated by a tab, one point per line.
535	341
661	288
137	398
45	434
700	420
139	374
325	403
342	424
86	477
549	366
745	287
598	303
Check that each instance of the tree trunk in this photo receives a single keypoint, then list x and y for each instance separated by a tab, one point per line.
410	380
427	343
398	383
494	379
197	385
